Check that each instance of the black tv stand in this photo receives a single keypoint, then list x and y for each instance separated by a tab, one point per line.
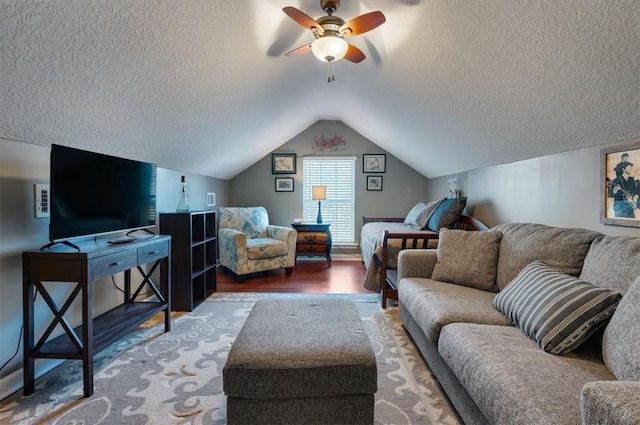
70	244
80	270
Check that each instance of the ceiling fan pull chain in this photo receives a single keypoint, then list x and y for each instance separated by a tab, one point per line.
331	76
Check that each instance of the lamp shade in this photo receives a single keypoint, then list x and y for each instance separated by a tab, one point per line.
329	48
319	193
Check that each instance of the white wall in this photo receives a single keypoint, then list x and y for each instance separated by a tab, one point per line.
402	186
558	190
21	166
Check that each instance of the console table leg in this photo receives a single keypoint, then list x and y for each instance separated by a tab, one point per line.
28	293
87	337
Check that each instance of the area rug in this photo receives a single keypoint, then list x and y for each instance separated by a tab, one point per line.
156	378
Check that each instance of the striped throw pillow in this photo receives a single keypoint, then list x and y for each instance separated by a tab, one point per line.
556	310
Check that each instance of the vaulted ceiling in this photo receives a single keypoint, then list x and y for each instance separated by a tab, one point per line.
203	86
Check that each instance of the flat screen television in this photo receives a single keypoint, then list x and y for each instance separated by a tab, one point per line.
93	194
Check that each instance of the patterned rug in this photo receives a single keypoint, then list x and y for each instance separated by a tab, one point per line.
156	378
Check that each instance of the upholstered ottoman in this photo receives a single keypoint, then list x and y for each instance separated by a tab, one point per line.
301	361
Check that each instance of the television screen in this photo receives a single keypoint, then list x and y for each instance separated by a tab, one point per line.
93	194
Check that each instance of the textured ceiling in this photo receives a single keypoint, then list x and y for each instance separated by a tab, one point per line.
203	86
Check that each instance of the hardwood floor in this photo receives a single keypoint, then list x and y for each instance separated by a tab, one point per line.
309	276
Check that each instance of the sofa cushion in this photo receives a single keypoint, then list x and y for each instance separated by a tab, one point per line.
419	215
468	258
563	249
610	402
447	213
622	337
434	304
512	380
613	262
558	311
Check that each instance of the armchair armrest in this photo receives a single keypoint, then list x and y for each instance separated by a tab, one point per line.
282	233
232	237
232	245
610	402
416	263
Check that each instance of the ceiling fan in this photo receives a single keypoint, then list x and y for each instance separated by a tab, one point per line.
330	32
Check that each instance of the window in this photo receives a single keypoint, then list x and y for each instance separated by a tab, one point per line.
338	174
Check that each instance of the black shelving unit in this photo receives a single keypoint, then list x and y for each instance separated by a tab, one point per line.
194	244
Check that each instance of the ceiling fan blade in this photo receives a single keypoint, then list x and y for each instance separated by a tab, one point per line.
299	50
354	54
303	19
362	24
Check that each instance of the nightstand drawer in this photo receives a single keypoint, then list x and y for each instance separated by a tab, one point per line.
313	237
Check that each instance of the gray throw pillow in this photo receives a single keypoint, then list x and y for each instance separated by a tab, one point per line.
556	310
419	215
447	213
468	258
622	336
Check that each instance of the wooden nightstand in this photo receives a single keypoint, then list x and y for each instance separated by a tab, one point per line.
314	240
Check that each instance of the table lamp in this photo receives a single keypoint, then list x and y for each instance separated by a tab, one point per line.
319	194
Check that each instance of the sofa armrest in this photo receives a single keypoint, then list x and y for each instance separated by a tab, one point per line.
416	263
610	402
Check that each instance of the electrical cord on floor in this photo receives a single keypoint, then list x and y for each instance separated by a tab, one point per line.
17	349
146	294
19	339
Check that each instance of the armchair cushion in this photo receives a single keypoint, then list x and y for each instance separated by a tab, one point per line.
265	248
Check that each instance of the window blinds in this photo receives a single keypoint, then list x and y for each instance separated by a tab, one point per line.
338	174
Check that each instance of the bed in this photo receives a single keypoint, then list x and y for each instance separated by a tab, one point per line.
381	239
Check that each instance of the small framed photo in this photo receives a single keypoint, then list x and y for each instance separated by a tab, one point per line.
374	163
283	163
284	184
374	183
620	185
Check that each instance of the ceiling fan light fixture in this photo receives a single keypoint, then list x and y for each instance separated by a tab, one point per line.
329	48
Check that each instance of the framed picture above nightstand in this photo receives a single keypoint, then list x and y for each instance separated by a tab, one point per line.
283	163
374	183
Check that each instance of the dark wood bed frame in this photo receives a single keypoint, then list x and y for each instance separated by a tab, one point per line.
412	240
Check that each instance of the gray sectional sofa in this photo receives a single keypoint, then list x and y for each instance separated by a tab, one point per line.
529	324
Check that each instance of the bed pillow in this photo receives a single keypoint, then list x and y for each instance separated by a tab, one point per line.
556	310
419	215
468	258
447	213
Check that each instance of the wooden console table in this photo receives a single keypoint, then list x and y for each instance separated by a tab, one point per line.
95	260
313	240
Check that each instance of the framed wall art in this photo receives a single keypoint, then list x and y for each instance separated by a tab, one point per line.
284	184
283	163
619	185
374	163
374	183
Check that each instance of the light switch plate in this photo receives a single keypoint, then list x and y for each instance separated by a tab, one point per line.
41	200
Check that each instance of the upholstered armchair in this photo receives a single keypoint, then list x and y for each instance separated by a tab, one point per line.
249	244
